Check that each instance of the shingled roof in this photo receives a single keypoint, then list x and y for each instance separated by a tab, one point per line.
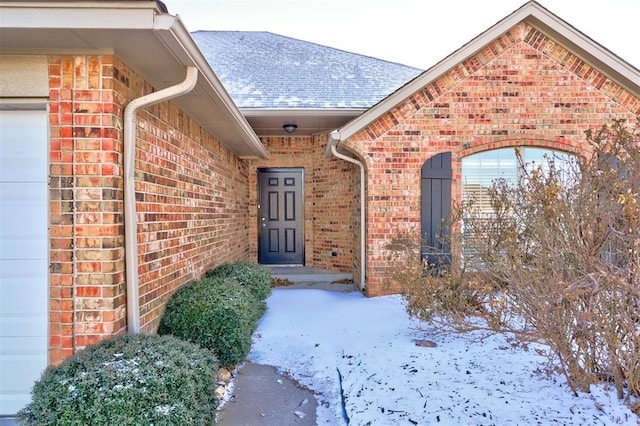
269	71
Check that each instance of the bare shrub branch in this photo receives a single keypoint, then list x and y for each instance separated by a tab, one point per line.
557	262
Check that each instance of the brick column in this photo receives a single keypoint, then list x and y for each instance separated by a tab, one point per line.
60	212
87	253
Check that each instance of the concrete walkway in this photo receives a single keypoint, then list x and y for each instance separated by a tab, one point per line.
262	396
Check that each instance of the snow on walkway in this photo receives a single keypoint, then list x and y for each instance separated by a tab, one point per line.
360	354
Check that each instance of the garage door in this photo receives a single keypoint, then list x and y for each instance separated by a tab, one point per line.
23	255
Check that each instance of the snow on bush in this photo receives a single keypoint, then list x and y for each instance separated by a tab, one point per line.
130	379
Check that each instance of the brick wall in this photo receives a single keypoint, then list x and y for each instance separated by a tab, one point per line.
329	202
86	242
521	89
336	201
192	199
193	206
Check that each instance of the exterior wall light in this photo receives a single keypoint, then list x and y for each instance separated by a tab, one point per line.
290	128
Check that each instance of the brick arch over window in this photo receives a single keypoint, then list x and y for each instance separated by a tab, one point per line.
436	178
569	146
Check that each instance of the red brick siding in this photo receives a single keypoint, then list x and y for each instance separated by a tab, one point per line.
86	244
329	202
192	200
336	213
192	195
517	91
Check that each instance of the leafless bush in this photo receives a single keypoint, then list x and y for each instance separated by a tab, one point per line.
434	292
557	262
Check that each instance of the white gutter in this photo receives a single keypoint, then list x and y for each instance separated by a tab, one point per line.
130	219
334	139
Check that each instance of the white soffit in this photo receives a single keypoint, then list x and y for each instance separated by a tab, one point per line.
310	121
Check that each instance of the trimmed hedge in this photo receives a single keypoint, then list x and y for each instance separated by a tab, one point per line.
128	380
219	314
257	278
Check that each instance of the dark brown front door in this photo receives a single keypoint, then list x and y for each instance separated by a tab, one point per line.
280	216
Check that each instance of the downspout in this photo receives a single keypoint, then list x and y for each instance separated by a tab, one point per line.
130	219
335	137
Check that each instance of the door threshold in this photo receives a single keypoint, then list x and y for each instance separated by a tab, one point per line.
295	265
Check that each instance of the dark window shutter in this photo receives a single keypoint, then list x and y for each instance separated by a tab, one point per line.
436	209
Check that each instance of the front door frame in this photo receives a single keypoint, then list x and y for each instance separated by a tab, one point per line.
301	219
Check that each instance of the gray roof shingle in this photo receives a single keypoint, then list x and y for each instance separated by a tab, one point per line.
269	71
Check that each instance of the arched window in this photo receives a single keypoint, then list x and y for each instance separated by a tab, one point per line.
436	209
479	171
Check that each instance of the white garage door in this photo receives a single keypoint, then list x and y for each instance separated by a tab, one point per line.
23	255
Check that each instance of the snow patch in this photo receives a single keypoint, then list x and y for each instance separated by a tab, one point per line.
360	358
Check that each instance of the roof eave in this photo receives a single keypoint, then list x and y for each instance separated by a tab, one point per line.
588	49
104	26
536	15
309	121
213	88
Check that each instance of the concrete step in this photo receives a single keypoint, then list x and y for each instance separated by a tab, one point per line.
304	274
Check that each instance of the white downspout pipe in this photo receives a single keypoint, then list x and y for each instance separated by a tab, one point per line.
130	219
335	136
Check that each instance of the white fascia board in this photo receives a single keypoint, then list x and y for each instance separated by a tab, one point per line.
171	30
85	15
539	17
427	77
133	16
586	48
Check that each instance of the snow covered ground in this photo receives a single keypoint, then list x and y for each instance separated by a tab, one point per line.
361	354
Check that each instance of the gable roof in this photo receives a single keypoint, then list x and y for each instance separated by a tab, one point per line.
273	78
265	70
142	34
538	17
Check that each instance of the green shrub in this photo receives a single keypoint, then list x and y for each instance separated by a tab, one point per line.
217	313
255	277
128	380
